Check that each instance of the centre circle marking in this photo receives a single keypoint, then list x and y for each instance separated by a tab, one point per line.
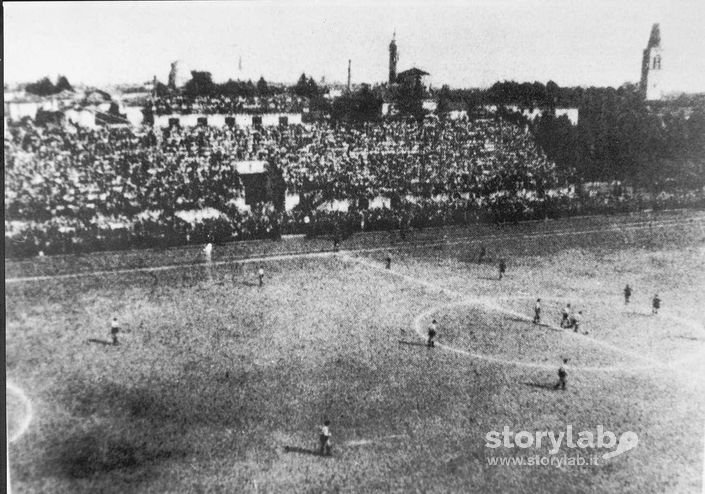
491	304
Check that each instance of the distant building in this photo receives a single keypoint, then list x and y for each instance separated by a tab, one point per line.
18	105
410	77
651	72
413	77
334	93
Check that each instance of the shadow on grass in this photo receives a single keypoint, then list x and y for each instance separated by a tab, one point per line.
100	342
247	283
98	452
412	343
550	387
519	319
489	278
683	337
303	451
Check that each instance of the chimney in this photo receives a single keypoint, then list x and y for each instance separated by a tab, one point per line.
349	63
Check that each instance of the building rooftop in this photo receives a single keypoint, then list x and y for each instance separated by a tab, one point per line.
415	72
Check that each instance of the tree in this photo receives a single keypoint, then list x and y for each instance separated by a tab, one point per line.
444	99
201	84
312	87
306	88
301	87
62	84
250	89
320	104
43	87
696	134
362	105
161	89
552	94
235	89
410	100
262	87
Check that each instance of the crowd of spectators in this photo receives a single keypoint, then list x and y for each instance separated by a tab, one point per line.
124	186
397	157
185	105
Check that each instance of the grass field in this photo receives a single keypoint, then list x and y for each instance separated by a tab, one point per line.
218	385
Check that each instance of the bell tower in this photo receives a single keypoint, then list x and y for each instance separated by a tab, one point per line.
393	59
651	72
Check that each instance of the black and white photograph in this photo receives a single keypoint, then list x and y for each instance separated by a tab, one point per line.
354	246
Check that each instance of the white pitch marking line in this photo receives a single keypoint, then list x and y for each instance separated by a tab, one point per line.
24	425
419	330
663	315
477	301
303	255
363	442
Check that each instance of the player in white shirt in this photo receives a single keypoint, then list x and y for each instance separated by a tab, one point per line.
260	274
208	250
324	438
576	320
565	322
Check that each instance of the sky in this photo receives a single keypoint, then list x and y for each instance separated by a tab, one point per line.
462	44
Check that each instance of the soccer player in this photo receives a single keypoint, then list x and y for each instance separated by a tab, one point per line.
627	294
655	304
324	439
336	241
389	261
537	311
114	330
208	250
565	322
576	320
260	274
432	332
502	268
483	251
562	376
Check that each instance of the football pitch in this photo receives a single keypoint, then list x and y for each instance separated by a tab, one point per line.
219	384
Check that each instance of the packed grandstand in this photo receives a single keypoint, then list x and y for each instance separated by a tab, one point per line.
385	174
70	188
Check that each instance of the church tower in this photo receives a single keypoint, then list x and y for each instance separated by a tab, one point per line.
393	59
651	73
